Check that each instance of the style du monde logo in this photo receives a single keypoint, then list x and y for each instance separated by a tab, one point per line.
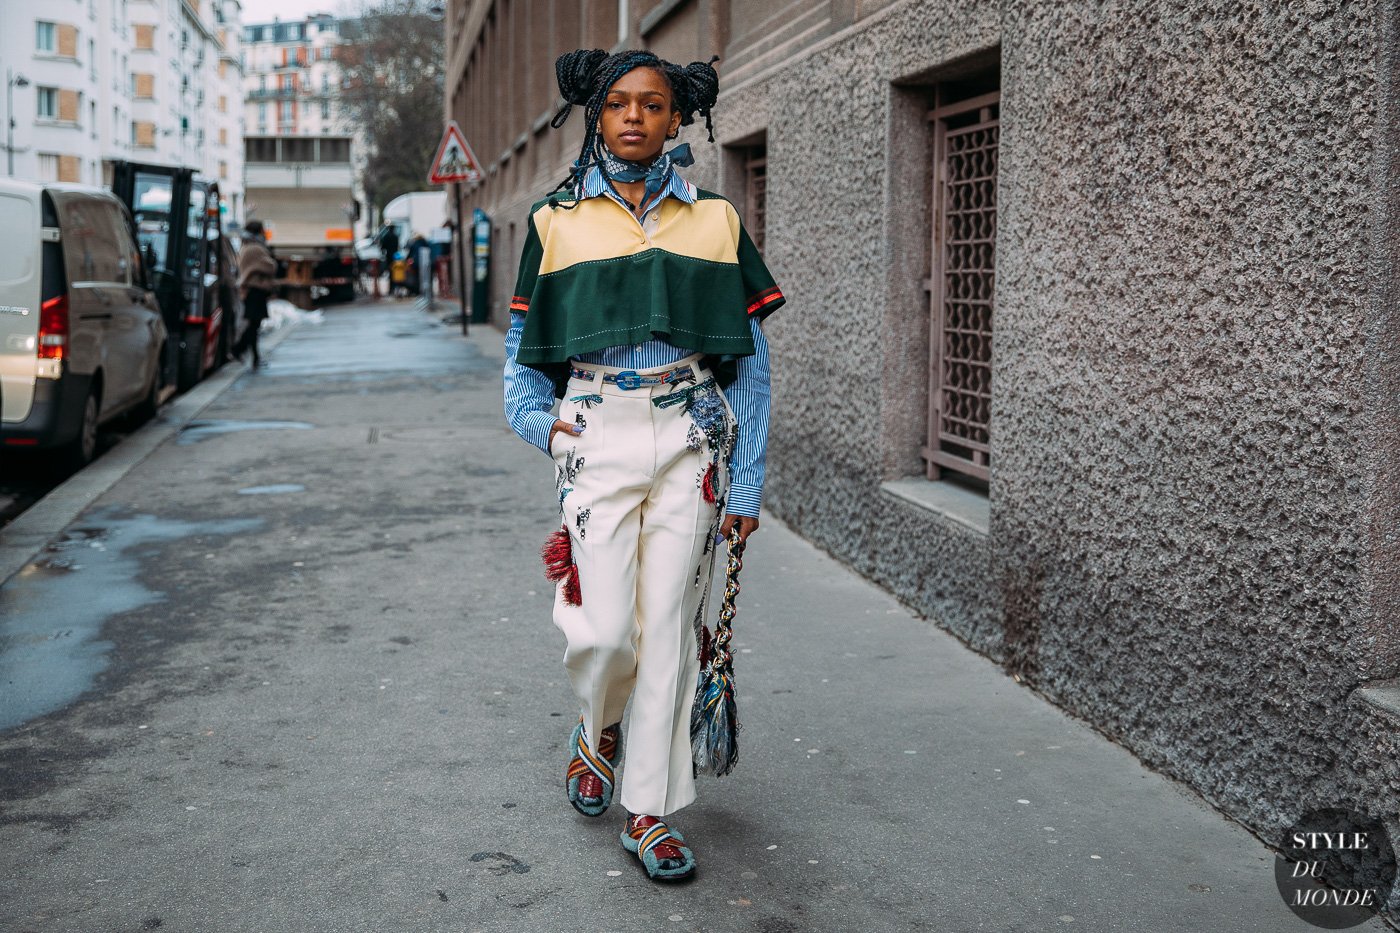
1335	868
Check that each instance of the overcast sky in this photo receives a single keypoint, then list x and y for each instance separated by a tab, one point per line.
264	11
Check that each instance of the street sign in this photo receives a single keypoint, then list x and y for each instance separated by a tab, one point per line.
455	161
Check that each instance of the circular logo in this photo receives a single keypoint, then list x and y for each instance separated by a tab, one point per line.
1335	868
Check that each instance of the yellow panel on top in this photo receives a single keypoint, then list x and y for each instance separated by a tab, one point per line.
599	228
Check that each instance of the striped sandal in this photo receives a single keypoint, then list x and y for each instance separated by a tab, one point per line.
589	777
660	848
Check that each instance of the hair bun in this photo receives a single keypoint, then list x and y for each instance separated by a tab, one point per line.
576	72
704	84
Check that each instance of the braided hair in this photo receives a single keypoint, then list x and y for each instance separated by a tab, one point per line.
585	76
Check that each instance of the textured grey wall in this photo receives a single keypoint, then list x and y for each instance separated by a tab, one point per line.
1194	501
1192	540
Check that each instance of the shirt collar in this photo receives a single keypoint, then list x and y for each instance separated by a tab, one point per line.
677	187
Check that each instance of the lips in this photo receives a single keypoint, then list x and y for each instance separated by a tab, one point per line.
632	137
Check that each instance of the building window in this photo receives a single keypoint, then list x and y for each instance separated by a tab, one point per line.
48	166
966	130
325	110
46	40
92	59
48	103
755	192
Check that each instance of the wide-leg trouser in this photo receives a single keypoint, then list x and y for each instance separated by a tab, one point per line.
631	495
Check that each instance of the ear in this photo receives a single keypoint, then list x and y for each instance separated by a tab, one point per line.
675	126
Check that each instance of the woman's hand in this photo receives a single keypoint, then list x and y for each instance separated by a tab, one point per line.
562	427
745	524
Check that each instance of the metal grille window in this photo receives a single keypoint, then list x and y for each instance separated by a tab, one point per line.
961	287
756	192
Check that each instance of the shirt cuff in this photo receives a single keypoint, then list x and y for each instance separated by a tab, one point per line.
743	499
535	427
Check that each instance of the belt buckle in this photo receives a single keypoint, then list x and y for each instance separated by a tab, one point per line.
628	379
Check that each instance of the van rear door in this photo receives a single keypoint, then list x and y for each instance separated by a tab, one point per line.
21	286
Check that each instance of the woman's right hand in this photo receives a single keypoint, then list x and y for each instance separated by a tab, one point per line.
563	427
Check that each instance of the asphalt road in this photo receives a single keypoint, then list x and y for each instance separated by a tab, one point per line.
295	672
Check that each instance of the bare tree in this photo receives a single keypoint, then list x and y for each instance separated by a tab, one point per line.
392	76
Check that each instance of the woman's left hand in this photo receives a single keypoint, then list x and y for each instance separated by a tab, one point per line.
746	525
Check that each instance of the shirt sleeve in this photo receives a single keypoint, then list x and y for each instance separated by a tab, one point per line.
761	294
749	395
529	393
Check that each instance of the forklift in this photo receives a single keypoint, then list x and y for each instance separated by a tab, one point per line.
190	265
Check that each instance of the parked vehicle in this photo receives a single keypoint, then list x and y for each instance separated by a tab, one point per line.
302	189
81	335
193	266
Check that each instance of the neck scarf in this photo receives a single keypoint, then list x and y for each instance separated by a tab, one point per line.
655	175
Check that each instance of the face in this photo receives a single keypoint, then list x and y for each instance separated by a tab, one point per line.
638	116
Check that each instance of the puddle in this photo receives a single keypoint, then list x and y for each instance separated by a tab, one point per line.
276	489
197	431
52	611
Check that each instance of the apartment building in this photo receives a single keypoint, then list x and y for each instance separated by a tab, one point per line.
92	81
1086	353
292	78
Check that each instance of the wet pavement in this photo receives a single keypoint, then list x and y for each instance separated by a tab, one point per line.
295	672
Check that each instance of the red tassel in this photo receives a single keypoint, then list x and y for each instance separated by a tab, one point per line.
705	642
573	596
558	555
707	486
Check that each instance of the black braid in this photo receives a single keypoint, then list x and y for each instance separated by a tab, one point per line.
584	78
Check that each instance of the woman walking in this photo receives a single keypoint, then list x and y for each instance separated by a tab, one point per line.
638	304
257	275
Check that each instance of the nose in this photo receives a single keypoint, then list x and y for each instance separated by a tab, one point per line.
634	113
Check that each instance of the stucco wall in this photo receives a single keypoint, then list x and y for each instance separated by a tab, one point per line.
1193	369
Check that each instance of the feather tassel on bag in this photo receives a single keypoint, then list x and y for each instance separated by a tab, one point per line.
714	719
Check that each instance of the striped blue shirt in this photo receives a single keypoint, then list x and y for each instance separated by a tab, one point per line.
529	393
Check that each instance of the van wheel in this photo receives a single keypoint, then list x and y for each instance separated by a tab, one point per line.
80	451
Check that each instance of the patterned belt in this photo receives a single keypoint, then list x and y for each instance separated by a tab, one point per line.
631	379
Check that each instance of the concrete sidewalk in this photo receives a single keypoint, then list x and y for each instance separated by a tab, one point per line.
320	691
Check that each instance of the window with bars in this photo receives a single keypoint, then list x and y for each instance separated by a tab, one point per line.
965	120
756	191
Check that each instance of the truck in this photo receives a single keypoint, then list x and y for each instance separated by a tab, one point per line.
190	264
302	188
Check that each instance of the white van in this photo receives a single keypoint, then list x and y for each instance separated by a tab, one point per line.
81	336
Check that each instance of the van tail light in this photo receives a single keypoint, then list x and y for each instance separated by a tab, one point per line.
53	328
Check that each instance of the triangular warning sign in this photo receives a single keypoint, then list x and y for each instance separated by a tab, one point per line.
455	160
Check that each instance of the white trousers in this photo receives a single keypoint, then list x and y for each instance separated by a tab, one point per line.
631	494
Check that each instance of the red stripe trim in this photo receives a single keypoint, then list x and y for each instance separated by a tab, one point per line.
517	303
764	299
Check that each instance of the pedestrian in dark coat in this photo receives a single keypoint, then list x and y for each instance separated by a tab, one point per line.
257	278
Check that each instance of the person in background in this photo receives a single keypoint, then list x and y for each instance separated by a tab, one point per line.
389	246
257	277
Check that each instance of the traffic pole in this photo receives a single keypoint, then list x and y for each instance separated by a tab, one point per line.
461	234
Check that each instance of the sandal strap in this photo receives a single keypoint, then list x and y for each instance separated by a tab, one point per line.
585	759
649	837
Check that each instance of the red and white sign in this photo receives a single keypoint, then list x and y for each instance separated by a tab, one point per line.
455	160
